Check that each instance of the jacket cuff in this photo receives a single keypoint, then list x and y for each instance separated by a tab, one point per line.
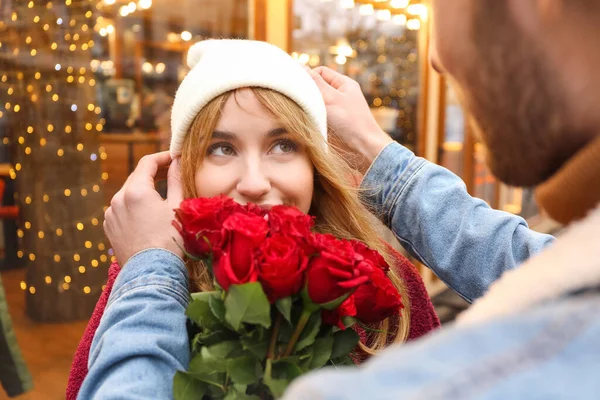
153	267
387	178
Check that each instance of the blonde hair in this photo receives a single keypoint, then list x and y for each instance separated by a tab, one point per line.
335	204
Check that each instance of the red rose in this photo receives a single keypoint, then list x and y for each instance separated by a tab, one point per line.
334	317
290	221
252	208
370	255
337	270
227	275
243	233
378	299
281	263
200	218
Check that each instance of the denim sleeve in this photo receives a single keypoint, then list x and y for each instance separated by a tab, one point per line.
535	354
467	244
142	338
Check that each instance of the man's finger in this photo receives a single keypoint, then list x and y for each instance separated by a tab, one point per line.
174	185
144	174
331	77
324	87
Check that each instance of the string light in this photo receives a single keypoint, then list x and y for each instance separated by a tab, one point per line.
52	89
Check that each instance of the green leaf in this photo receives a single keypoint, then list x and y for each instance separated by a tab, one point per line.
310	332
276	386
348	321
342	361
244	370
286	370
247	303
212	338
256	343
285	308
206	363
224	349
217	307
344	342
238	392
321	352
199	311
186	387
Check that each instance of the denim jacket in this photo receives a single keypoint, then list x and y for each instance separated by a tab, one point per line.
142	338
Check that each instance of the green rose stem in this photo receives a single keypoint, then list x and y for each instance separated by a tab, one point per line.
298	331
273	342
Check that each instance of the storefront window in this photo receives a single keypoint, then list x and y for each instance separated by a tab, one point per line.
85	90
374	42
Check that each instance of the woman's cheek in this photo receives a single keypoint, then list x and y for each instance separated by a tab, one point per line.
213	180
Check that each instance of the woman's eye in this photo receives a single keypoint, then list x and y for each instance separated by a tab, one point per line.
284	146
221	149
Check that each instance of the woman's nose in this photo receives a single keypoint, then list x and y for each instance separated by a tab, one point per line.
253	184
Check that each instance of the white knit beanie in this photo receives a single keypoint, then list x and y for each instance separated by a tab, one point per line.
218	66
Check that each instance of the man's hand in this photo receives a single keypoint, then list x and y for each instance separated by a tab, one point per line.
354	127
138	218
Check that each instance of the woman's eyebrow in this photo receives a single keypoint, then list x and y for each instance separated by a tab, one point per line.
223	135
276	132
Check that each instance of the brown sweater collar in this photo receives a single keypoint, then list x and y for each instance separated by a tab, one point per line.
575	189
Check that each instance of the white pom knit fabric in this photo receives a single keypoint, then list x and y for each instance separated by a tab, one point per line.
221	65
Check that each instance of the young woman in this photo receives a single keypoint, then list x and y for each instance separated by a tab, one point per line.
250	123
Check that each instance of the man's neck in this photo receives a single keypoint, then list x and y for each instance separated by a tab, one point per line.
575	189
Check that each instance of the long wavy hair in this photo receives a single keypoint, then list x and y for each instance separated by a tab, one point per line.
335	203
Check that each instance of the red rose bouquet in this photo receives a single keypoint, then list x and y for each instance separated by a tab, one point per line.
284	298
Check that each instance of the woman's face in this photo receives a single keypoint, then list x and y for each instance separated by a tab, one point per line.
253	159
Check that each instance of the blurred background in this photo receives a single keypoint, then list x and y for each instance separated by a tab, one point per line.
86	88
